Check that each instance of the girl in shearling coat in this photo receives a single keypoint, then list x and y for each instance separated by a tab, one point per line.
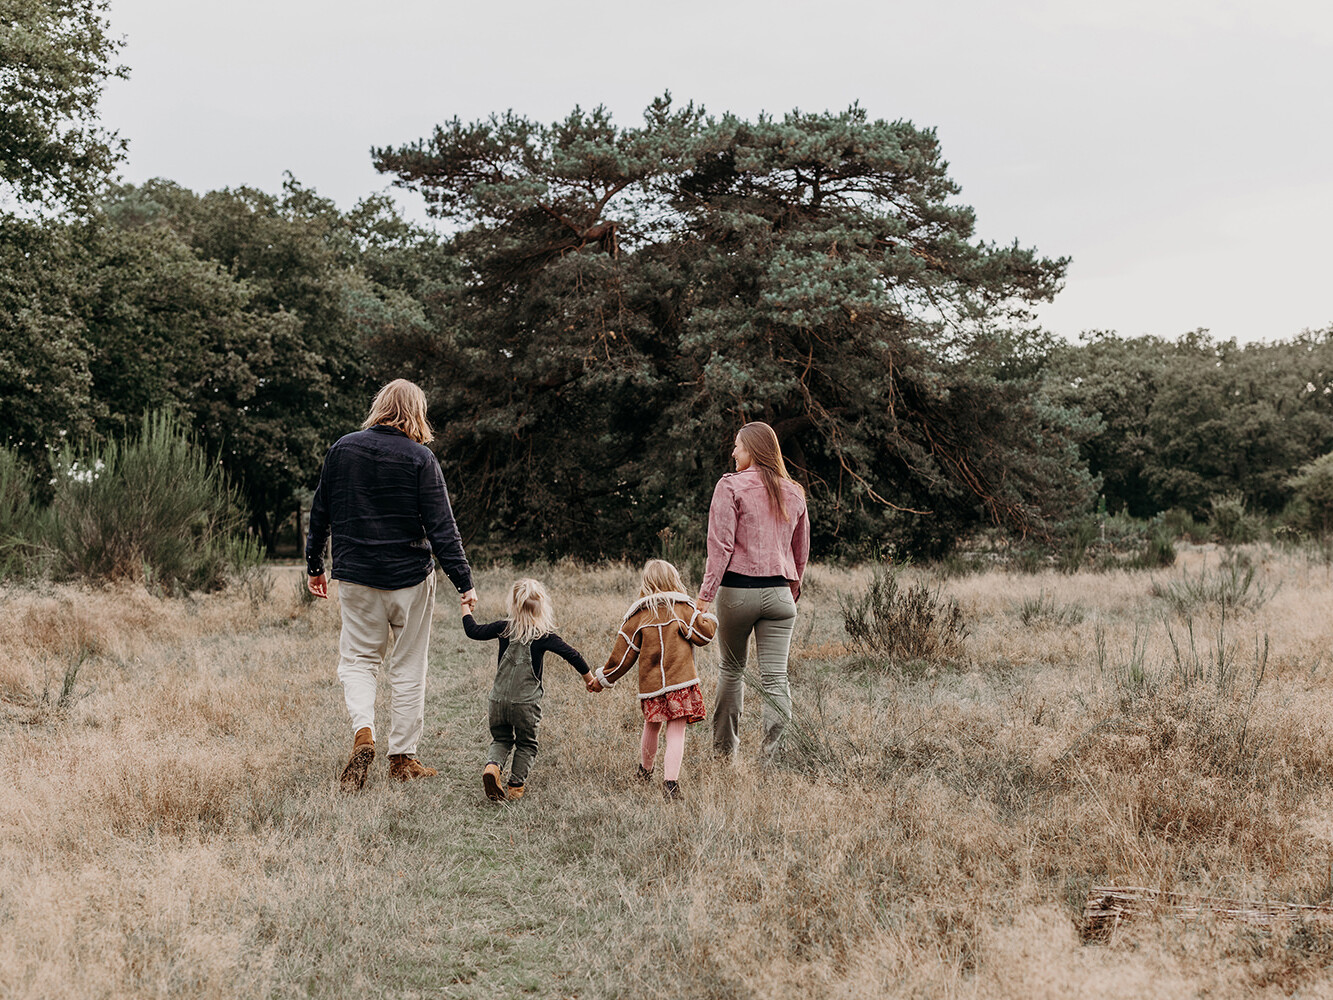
659	633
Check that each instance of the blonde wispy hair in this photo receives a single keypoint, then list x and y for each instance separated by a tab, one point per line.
659	582
530	613
402	404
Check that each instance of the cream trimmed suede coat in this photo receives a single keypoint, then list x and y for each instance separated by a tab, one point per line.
661	640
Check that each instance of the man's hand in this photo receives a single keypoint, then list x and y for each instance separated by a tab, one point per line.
319	585
469	602
592	683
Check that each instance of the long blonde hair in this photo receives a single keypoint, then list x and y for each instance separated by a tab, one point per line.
530	613
402	404
660	580
766	458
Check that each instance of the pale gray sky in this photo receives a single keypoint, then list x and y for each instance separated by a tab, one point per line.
1180	151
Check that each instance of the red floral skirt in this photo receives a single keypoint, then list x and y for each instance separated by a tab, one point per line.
684	703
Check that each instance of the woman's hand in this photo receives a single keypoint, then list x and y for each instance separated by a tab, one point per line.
795	586
592	683
469	602
702	605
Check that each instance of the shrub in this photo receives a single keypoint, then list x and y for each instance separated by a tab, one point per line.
893	626
1159	548
152	508
1180	523
1076	540
21	520
1229	521
1042	610
1232	585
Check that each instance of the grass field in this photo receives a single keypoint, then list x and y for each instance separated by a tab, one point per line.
171	824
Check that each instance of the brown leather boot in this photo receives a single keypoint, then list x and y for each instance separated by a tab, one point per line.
490	782
363	752
515	792
405	767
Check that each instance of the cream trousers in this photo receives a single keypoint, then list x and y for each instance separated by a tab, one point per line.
389	628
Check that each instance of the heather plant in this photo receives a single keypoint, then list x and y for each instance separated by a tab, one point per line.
150	508
893	625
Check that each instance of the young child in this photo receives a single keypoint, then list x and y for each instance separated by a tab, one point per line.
526	636
660	632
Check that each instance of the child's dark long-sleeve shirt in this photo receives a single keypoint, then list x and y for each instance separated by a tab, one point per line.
549	643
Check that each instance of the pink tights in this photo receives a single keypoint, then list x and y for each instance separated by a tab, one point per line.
675	747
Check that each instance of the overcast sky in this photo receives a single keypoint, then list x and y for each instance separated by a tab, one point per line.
1179	151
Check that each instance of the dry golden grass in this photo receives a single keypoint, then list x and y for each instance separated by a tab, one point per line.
171	823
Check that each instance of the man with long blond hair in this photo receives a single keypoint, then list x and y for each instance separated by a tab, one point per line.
382	496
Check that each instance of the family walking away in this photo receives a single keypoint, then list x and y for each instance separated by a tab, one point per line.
526	636
659	633
382	497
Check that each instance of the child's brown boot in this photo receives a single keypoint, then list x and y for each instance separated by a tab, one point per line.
515	792
490	780
363	752
405	767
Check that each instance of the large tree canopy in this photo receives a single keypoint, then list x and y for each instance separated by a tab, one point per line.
55	56
623	298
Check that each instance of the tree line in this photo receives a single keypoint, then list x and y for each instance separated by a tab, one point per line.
598	311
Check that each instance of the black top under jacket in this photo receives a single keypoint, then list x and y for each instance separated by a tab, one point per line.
549	643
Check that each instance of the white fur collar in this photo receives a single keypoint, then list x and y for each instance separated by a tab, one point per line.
675	595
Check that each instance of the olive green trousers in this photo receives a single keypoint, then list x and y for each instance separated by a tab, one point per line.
769	613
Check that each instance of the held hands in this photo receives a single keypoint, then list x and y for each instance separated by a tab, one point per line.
319	585
592	683
468	602
703	605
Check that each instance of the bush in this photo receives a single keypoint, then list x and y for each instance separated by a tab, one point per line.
21	520
1229	521
1043	610
893	626
1232	585
1180	523
1159	548
152	509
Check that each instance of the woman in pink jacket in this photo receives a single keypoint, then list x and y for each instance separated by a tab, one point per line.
758	544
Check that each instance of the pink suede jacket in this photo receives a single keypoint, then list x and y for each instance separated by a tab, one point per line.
745	534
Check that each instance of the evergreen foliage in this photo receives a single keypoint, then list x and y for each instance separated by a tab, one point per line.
624	298
151	508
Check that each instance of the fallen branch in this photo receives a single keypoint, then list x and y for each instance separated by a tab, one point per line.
1109	906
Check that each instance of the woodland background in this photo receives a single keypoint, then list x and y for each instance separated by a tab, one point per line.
598	309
